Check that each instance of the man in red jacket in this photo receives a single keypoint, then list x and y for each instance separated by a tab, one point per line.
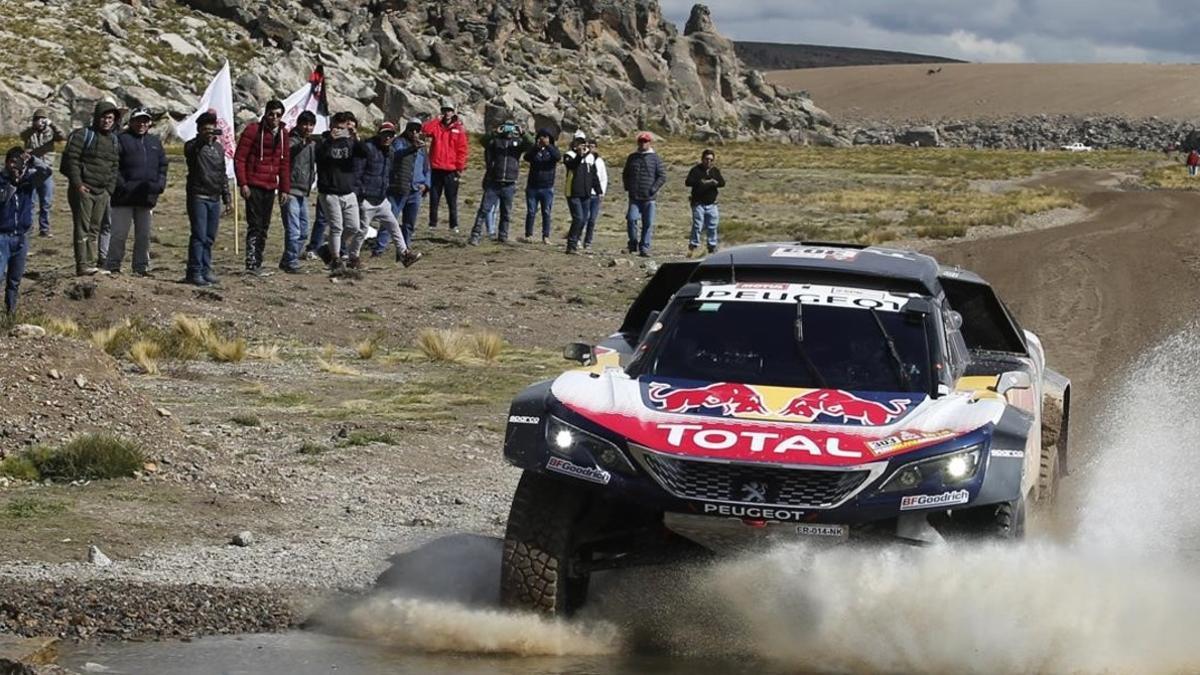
447	161
262	163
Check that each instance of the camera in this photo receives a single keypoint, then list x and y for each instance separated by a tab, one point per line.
509	129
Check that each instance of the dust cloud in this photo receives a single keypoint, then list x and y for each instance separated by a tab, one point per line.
1120	594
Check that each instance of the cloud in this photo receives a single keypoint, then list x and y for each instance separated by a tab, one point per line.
996	30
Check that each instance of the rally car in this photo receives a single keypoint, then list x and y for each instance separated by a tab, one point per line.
823	392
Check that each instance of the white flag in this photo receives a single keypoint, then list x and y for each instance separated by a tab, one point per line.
311	96
217	99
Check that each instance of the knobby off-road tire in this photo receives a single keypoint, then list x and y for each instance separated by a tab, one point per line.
1049	476
1004	521
539	547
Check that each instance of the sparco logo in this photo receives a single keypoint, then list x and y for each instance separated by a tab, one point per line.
758	512
932	501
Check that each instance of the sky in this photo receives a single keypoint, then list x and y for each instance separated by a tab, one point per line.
1001	31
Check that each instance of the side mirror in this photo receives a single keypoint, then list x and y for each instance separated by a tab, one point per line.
1013	380
581	352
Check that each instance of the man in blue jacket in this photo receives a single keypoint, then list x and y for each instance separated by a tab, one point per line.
372	178
543	160
410	182
20	179
141	178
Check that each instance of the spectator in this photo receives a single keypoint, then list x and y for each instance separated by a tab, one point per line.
408	183
447	161
207	192
90	163
543	161
582	183
39	139
1193	162
643	177
263	166
336	155
705	180
19	181
302	156
502	158
372	176
597	197
141	179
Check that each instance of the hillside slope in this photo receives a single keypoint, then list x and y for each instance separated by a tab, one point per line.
993	90
780	56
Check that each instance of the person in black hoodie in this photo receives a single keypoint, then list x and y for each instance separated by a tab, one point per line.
141	178
207	191
502	157
582	182
705	180
543	161
336	156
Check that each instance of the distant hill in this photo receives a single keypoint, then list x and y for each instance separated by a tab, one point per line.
777	56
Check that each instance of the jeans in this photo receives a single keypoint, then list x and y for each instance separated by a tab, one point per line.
204	215
345	234
13	248
317	237
643	211
258	222
382	213
447	182
535	199
705	217
139	218
295	230
45	199
87	216
580	206
593	215
493	193
406	209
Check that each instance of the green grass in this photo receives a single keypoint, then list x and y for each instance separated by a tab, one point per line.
360	438
88	457
25	508
19	467
246	420
310	448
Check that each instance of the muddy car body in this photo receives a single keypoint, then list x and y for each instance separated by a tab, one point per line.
773	391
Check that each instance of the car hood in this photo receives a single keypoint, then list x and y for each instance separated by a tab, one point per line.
753	423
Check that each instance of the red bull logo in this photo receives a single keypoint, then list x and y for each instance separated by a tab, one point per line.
730	399
844	405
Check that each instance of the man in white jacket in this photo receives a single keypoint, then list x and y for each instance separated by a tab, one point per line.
593	158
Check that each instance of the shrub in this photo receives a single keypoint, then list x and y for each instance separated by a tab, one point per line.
89	457
310	448
357	438
31	507
20	468
246	420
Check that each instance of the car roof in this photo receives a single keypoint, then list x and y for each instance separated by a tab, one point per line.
909	270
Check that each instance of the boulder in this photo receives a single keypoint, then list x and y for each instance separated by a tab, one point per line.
921	137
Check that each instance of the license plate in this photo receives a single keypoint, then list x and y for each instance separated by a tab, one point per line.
822	530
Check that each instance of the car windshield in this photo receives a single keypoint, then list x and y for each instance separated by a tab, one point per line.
756	343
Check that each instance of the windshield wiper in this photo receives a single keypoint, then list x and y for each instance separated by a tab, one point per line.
808	363
901	368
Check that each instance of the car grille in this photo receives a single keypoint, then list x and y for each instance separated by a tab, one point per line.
723	482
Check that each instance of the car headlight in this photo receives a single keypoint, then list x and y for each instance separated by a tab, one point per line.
947	470
565	440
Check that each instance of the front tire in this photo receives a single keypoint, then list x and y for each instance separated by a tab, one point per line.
1004	521
540	567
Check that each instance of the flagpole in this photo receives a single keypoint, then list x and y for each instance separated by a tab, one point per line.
237	225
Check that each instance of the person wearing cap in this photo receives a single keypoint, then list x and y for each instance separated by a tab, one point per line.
263	166
141	178
39	139
18	184
582	183
372	177
408	183
447	161
503	148
643	177
302	156
597	199
543	160
207	194
91	164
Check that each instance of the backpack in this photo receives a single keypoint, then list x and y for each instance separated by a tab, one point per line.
89	140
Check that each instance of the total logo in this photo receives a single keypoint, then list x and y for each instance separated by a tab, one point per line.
695	435
731	399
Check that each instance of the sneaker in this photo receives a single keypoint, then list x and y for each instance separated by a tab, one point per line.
337	265
712	249
453	230
525	240
587	247
644	254
47	234
311	255
212	279
692	250
376	253
202	283
355	263
88	272
145	274
290	270
410	257
572	251
473	241
545	240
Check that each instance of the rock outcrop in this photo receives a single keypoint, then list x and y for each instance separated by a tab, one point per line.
1041	132
606	66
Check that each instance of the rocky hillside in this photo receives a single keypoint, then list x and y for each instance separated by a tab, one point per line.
777	56
606	66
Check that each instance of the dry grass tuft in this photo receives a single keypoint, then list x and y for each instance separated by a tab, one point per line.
268	353
114	338
335	368
145	354
446	345
228	351
59	325
488	345
366	348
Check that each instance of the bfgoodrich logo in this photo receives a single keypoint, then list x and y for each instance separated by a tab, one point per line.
933	501
592	474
